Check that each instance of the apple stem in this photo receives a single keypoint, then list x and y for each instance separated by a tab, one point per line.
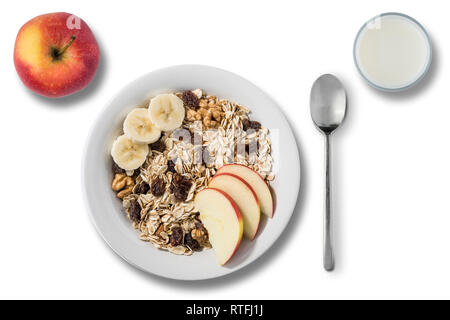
72	39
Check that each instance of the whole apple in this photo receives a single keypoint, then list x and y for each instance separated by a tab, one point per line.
56	54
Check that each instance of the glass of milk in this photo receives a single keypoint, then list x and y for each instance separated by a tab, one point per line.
392	52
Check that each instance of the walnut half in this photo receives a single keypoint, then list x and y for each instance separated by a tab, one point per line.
122	184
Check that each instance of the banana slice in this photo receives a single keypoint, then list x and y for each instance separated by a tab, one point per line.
167	111
128	154
138	127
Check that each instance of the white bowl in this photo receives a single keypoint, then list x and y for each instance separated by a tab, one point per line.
106	211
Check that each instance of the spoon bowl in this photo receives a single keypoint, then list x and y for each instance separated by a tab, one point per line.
328	103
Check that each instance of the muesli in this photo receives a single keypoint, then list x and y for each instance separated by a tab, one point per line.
170	151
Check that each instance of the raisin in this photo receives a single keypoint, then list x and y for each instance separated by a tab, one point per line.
255	125
199	225
176	238
247	124
158	187
142	188
158	146
176	179
180	194
171	166
180	187
116	169
135	211
190	99
191	242
136	174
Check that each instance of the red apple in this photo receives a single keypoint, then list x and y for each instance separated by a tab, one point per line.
56	54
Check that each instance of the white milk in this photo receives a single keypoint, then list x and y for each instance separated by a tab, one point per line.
392	51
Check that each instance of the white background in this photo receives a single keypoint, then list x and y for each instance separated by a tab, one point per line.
391	173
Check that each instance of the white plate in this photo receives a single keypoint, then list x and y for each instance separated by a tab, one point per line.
106	210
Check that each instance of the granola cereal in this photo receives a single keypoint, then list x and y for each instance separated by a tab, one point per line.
158	197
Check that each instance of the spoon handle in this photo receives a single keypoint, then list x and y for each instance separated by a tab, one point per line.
328	257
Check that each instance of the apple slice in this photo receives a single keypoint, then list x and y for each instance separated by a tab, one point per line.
245	198
256	182
223	220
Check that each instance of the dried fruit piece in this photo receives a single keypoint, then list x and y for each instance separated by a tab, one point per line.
190	99
158	187
180	187
171	166
247	124
180	194
142	188
191	242
116	169
200	234
158	146
176	238
135	211
181	181
255	125
136	173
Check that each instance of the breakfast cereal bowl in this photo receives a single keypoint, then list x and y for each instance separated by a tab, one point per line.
129	236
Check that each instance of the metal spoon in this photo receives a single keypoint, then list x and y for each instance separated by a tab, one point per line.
328	103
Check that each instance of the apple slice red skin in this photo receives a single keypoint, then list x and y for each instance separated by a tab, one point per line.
75	76
248	186
238	215
238	164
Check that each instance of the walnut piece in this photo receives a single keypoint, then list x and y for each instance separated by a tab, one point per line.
193	115
210	112
125	192
122	184
201	236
